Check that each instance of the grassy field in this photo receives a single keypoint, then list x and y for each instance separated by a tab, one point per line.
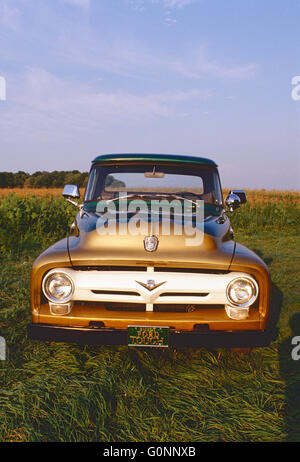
67	392
254	195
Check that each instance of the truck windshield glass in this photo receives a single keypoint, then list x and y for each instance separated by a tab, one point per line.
108	182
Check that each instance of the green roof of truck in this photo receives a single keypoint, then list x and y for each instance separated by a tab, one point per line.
109	158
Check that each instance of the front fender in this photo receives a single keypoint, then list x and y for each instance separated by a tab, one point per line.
55	256
245	260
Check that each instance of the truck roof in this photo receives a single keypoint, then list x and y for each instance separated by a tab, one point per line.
127	157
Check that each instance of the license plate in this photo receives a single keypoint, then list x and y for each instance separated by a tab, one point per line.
148	336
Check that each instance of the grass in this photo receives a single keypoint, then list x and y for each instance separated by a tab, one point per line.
254	196
68	392
25	192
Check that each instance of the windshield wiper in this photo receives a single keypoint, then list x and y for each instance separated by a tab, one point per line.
126	196
166	196
177	196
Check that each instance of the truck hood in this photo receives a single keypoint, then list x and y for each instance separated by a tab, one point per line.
90	248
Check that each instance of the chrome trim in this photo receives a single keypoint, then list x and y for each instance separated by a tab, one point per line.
69	307
204	288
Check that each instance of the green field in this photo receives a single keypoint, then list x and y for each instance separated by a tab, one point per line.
67	392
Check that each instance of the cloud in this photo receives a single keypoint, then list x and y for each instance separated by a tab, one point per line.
137	60
9	16
170	21
177	3
140	5
44	107
74	45
80	3
198	65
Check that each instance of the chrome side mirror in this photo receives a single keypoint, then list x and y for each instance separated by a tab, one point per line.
242	195
232	201
70	193
71	190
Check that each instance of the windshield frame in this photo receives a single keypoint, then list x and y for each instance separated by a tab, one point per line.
179	168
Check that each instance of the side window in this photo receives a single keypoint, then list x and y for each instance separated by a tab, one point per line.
91	185
217	190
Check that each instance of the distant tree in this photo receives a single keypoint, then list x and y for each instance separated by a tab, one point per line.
20	178
55	179
7	180
113	182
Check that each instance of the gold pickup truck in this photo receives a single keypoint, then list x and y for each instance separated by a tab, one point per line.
151	260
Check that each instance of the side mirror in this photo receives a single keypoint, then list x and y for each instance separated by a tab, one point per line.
71	191
241	194
232	201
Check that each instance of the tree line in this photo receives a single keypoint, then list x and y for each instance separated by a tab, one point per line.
56	179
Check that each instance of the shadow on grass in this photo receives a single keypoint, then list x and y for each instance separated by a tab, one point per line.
267	260
290	372
275	308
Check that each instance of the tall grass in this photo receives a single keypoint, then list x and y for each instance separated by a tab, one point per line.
31	222
269	215
68	392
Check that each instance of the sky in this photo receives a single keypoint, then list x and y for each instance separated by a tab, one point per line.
211	78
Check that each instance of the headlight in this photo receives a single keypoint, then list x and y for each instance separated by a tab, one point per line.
242	292
58	287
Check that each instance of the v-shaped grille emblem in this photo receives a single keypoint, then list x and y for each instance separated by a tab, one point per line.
150	285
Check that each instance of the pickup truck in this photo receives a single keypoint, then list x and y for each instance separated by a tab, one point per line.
151	261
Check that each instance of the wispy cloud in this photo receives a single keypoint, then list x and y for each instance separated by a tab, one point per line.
140	5
43	105
170	21
176	3
137	60
9	16
198	65
80	3
164	3
73	43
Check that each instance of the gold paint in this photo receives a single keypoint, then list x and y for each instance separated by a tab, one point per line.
91	249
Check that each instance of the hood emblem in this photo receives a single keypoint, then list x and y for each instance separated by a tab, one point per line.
150	243
150	285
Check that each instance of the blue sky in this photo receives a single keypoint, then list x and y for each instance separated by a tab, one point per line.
199	77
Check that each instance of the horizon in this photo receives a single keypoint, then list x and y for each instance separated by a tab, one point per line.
224	186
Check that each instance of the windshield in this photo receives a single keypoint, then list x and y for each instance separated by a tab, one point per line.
107	182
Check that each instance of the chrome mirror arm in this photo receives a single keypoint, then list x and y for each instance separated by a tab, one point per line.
74	203
223	215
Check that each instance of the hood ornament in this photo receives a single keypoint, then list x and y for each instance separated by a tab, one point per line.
150	243
150	285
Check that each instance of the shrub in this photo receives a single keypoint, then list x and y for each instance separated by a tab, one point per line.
31	223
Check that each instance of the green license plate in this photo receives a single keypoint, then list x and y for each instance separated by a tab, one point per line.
148	336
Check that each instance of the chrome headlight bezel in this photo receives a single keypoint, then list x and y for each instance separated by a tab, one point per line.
48	294
254	287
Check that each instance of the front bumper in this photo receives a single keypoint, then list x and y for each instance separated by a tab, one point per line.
194	339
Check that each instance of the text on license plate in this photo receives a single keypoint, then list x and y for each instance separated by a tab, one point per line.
148	336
